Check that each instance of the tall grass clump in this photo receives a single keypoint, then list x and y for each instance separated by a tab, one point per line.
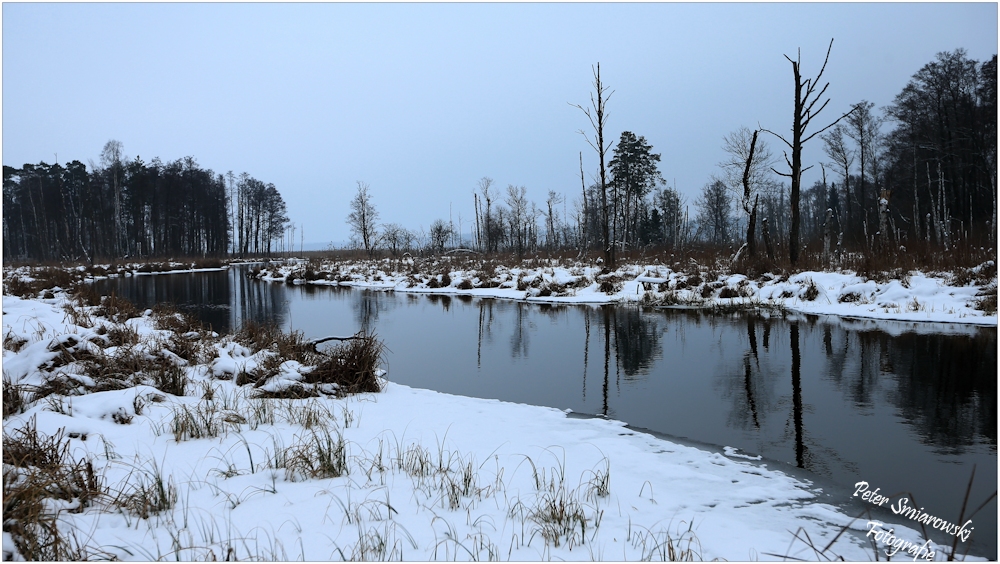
118	309
320	455
13	398
146	492
352	366
169	379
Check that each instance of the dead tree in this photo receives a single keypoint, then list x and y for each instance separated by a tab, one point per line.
583	188
806	97
598	119
752	223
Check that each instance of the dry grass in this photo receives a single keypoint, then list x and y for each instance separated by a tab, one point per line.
320	455
353	366
12	342
987	302
122	336
117	309
265	336
146	492
87	295
38	468
14	400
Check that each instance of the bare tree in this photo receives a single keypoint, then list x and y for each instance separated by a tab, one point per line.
439	235
486	223
396	237
583	224
552	219
598	119
714	219
805	102
863	128
835	146
517	201
747	166
363	217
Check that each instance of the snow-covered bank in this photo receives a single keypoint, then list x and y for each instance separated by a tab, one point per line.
914	296
405	473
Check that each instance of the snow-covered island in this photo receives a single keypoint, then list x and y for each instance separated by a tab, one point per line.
139	435
962	296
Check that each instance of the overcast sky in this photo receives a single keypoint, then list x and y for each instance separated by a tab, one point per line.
422	100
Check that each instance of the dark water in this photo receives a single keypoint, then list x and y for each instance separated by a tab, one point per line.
905	407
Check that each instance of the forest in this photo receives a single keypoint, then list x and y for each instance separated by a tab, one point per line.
127	208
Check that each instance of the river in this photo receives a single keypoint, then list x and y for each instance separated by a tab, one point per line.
905	407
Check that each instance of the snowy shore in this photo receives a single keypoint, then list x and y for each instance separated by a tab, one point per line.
218	472
913	296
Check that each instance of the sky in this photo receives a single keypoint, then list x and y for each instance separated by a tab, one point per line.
420	101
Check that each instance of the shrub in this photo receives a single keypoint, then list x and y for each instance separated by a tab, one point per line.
445	280
465	284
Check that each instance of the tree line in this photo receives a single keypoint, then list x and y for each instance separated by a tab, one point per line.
920	171
127	208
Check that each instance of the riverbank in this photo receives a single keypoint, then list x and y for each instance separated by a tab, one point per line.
184	459
965	296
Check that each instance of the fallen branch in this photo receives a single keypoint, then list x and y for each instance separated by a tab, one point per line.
356	336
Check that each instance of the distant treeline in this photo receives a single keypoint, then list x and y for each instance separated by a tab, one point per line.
128	208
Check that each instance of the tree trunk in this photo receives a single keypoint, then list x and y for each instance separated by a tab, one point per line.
767	239
827	236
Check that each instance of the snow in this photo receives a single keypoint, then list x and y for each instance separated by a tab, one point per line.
428	475
918	297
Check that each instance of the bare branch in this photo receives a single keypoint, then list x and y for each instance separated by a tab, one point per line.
816	99
775	134
831	125
823	68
